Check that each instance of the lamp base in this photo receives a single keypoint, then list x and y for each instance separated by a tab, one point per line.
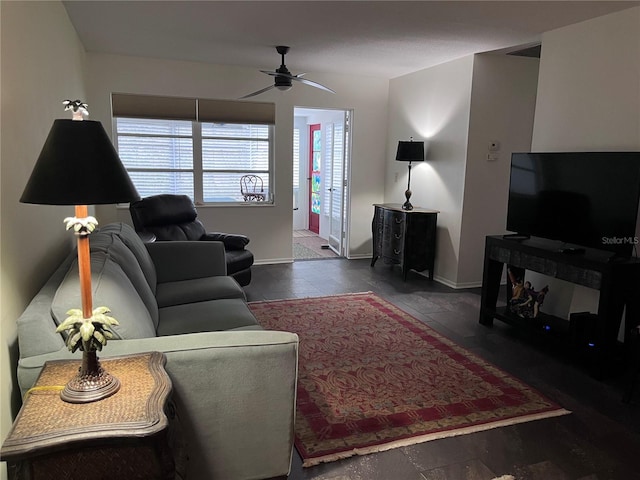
91	384
407	205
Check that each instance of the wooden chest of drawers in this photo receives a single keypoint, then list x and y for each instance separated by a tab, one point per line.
404	237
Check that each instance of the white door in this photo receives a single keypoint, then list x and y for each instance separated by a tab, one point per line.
336	168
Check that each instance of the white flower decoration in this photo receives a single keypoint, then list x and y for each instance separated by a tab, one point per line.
81	226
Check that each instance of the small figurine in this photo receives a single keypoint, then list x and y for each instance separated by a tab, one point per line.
525	300
80	109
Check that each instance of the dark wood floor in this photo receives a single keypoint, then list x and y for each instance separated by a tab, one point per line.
599	440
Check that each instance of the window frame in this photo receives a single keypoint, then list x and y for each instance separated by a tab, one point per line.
198	169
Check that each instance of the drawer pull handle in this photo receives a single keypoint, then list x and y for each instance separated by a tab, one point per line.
397	235
398	220
397	252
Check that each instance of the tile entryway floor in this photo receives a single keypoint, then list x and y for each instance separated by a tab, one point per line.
308	246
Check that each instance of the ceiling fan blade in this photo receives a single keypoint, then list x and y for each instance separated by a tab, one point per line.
284	75
258	92
313	84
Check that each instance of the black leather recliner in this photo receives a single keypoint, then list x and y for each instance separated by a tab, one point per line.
174	217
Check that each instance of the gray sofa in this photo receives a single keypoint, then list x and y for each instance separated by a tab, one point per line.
233	382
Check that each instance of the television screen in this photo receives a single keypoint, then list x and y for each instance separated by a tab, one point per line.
584	198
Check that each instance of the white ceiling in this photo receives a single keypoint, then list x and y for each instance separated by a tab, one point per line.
373	38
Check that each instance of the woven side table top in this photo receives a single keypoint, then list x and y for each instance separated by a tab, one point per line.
46	424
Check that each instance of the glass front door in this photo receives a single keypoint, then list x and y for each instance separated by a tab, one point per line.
315	177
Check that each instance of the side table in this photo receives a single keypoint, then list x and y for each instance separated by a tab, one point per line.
124	436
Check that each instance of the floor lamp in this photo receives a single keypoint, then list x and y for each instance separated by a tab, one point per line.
409	152
78	165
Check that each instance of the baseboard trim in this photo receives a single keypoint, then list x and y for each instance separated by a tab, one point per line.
271	261
457	286
359	256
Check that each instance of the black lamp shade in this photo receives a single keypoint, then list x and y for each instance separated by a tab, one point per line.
410	152
78	165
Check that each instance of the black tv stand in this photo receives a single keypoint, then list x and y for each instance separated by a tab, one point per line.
516	236
618	283
572	250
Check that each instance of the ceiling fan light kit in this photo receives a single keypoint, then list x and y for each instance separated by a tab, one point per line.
283	79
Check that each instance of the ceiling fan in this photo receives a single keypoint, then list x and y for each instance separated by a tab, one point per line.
284	78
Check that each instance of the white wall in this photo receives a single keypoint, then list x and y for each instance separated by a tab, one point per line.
588	99
503	100
433	105
42	64
589	87
458	108
366	96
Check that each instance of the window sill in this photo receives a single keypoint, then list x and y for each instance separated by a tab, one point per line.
125	206
235	204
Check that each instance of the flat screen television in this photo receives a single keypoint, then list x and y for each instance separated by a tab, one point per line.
588	199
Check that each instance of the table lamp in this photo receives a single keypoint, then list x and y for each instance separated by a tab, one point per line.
409	152
78	165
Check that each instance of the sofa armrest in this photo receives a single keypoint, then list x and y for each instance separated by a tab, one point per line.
185	260
232	241
234	392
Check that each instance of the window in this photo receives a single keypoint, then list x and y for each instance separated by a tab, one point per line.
158	154
230	151
202	159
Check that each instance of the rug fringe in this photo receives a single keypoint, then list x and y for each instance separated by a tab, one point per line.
405	442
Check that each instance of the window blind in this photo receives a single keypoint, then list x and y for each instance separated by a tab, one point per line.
199	109
232	111
152	106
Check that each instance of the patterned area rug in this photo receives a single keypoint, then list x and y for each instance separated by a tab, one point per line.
372	377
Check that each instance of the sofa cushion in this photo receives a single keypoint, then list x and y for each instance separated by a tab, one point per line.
131	239
36	330
111	288
246	328
209	316
198	290
113	245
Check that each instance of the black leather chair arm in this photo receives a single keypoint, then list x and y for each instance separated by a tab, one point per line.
231	241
